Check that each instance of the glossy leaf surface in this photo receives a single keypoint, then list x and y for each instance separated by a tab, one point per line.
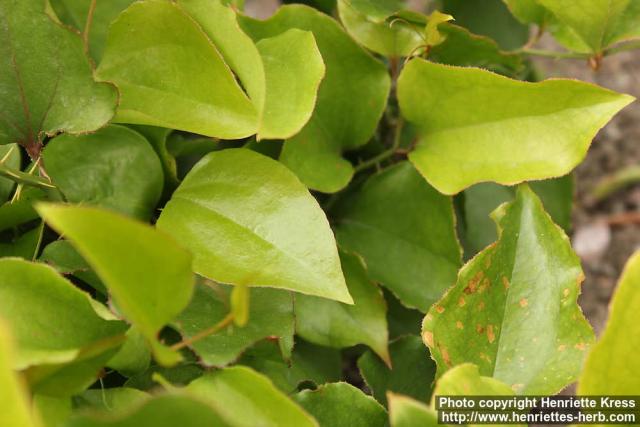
350	101
491	128
146	272
262	230
513	310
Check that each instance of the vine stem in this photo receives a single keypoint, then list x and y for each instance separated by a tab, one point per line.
385	154
623	47
87	25
228	319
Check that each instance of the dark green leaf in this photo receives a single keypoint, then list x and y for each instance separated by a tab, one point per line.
114	168
412	372
271	314
404	230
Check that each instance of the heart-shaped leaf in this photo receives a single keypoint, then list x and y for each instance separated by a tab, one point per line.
335	324
146	272
404	230
477	126
351	98
45	79
204	38
263	229
513	310
114	168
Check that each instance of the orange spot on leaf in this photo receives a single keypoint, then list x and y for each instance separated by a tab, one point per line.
523	302
491	336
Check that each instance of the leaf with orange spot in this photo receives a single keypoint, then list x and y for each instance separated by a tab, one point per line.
518	305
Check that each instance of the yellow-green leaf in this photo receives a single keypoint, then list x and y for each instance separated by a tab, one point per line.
478	126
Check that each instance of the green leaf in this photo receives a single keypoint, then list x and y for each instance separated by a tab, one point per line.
528	11
118	399
75	12
406	412
46	80
133	357
465	380
271	314
608	369
341	404
61	335
114	168
374	26
146	272
308	362
334	324
54	411
513	310
11	157
597	23
281	75
293	69
249	221
491	128
461	47
144	45
481	199
405	232
177	375
489	18
162	411
159	139
21	210
245	398
14	398
351	98
24	246
412	373
62	256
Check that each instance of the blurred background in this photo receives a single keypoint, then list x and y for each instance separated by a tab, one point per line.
606	220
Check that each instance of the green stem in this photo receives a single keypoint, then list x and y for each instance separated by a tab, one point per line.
617	181
623	48
205	333
397	137
87	26
25	178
